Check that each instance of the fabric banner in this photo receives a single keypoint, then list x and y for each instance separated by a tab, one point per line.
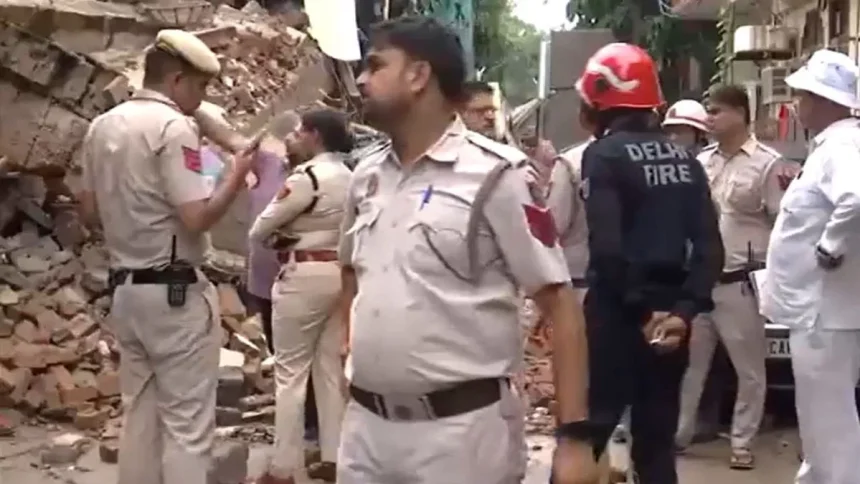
334	26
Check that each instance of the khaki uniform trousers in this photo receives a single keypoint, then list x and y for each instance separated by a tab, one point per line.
169	376
826	367
735	320
307	334
482	446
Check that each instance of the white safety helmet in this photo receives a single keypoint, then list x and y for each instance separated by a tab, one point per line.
687	112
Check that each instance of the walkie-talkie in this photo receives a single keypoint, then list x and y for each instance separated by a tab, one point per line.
177	284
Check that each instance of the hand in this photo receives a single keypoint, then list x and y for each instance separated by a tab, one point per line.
649	329
665	332
827	261
573	463
786	173
243	162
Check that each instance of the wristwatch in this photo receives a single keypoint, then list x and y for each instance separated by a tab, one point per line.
827	260
579	431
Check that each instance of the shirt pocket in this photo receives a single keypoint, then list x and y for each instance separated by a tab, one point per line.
361	232
439	240
743	193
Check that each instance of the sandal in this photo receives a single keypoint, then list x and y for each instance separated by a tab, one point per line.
742	459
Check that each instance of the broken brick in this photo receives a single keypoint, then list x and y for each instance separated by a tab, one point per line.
108	383
109	452
91	418
72	394
49	321
27	331
82	325
22	378
7	380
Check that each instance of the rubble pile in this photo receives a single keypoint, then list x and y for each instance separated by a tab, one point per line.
537	379
52	85
258	71
59	360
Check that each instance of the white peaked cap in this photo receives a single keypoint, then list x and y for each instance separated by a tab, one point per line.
829	74
190	48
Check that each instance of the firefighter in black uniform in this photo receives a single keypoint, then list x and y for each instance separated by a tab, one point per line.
655	253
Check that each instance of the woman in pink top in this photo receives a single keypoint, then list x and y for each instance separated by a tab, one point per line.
270	171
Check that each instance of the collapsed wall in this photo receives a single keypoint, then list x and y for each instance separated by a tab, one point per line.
52	84
57	355
63	62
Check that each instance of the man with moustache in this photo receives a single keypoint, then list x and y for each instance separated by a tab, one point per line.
441	228
478	108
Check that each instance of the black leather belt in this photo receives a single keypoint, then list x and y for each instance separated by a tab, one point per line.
734	276
463	398
154	276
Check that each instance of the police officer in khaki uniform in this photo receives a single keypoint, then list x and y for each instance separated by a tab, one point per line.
143	184
568	206
441	228
303	222
745	178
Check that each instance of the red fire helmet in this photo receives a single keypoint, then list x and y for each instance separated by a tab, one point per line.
620	76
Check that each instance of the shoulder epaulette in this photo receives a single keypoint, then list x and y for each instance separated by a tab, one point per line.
768	149
372	148
503	151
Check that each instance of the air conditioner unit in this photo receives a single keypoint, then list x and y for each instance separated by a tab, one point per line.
774	90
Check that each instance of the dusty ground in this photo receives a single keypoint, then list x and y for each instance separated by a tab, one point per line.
776	452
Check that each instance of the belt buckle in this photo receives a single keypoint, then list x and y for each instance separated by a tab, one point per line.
405	408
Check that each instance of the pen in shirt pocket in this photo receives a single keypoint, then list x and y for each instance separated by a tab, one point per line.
425	197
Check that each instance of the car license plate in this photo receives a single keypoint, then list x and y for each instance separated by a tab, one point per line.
778	348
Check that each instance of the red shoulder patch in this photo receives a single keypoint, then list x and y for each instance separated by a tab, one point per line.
192	159
541	224
283	193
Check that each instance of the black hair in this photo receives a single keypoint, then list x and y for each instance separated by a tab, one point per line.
733	96
588	113
427	39
332	127
473	88
629	119
157	63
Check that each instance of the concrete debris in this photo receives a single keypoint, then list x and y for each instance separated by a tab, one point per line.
53	83
109	451
65	449
536	381
58	358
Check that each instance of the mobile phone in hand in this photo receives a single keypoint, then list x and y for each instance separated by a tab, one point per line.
255	143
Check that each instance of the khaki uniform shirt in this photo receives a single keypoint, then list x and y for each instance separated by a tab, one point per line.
290	213
568	209
418	322
746	190
142	160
